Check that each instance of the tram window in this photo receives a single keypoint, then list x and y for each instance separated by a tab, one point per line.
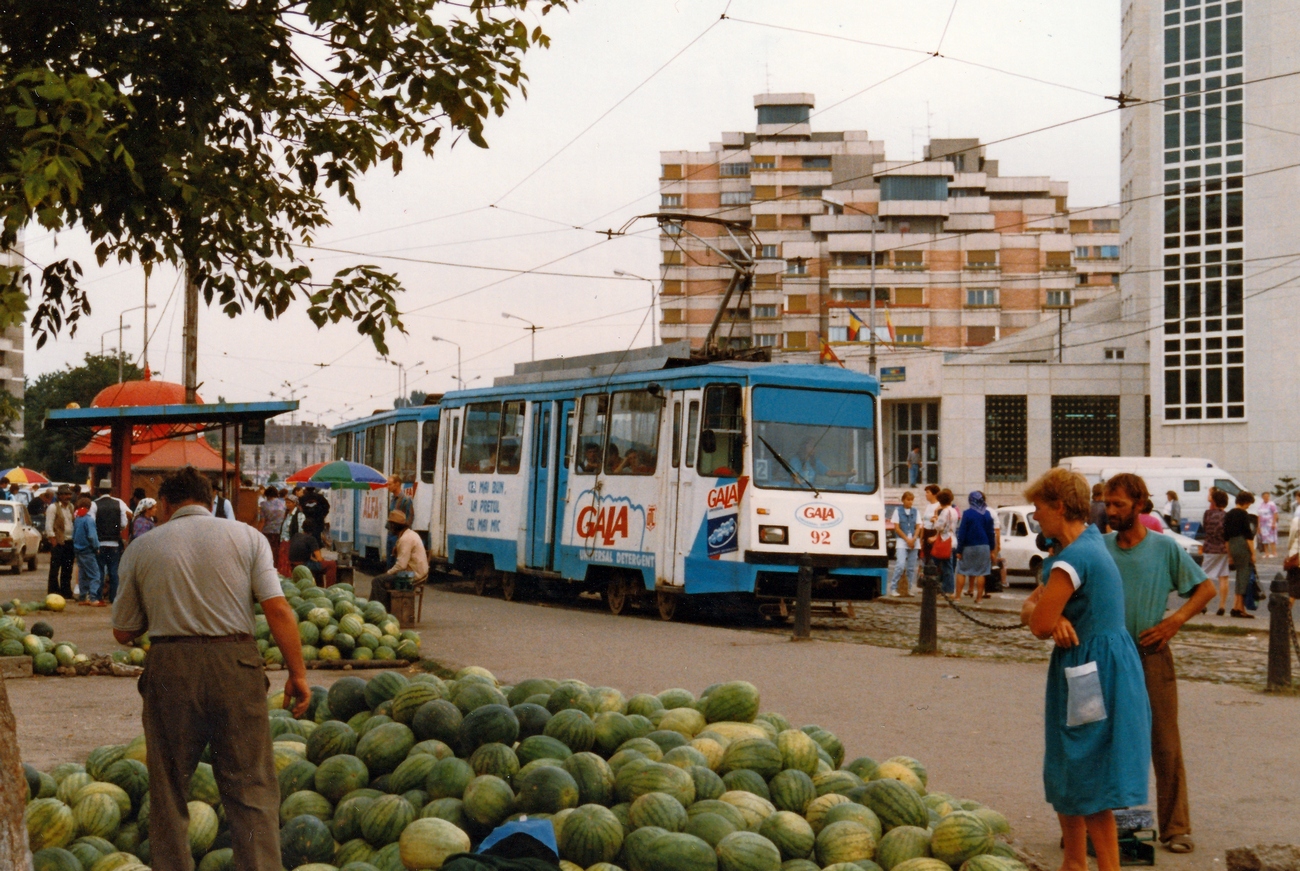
591	433
692	429
571	437
343	446
512	437
677	434
633	445
478	453
544	437
723	435
428	451
455	439
375	438
406	447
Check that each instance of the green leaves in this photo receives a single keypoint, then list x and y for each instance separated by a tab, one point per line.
198	134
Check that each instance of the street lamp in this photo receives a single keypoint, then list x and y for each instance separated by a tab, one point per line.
532	328
105	333
461	382
653	320
457	344
120	328
401	378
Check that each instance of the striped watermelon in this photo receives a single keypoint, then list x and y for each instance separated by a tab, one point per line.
736	701
752	808
540	746
899	771
676	698
923	863
474	695
71	785
611	730
679	852
571	694
532	719
792	790
654	777
594	777
843	782
50	823
488	800
98	815
383	821
644	746
667	739
712	750
902	843
521	691
331	738
828	742
383	687
438	719
636	847
791	834
450	809
497	760
339	775
864	767
305	801
590	834
895	803
994	820
748	781
710	827
102	757
572	728
487	724
845	841
917	768
426	843
687	721
643	704
707	783
798	751
297	775
808	865
203	827
448	778
353	852
851	810
384	747
756	754
412	773
728	812
989	862
959	836
56	859
346	823
748	851
304	840
658	809
546	790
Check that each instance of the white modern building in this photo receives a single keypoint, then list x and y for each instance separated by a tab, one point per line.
288	448
1210	175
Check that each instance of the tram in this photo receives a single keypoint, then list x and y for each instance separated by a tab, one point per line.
694	480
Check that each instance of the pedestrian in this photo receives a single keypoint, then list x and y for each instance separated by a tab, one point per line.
192	583
1172	511
270	517
979	541
1292	562
945	538
18	494
221	506
1097	723
85	544
1097	508
58	532
907	535
914	466
1147	517
314	505
292	525
1151	567
397	501
146	512
136	495
5	495
1214	549
411	557
1267	514
1240	529
304	550
112	524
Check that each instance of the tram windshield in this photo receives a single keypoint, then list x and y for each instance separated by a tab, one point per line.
814	440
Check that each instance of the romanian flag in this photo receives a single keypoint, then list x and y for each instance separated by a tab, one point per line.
856	326
828	354
889	325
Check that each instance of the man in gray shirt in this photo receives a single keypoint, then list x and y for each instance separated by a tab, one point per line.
191	583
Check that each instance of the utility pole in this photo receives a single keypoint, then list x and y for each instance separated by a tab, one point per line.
144	354
190	338
871	357
532	329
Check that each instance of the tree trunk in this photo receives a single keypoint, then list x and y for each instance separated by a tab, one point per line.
13	792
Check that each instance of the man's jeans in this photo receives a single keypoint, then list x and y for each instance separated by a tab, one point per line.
109	557
913	475
905	560
89	579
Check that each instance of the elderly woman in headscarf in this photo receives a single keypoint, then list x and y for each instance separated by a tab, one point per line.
146	517
978	542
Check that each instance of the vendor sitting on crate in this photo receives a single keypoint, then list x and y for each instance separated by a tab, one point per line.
412	560
305	547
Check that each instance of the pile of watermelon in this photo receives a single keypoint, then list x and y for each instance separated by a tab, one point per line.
38	643
17	607
398	773
335	624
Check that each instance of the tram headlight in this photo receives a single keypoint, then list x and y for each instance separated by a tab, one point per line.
773	534
863	538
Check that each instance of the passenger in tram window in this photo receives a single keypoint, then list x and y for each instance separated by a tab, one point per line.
635	462
509	458
612	458
591	458
489	462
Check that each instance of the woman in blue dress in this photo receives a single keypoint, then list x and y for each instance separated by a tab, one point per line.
1097	720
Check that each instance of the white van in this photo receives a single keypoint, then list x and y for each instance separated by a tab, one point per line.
1190	477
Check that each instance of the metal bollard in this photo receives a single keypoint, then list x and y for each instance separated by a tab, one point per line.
928	639
1279	635
803	603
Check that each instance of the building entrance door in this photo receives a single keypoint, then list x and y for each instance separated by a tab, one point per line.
916	425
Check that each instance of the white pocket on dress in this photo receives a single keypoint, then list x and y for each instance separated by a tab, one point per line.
1084	703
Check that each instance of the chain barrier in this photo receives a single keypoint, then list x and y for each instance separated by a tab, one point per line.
1295	640
997	627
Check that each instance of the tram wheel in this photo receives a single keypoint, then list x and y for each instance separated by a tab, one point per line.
512	587
667	603
483	578
616	595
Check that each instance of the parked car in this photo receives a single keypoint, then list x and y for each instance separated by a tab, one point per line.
19	540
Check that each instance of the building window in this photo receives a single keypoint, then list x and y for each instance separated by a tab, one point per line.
673	316
981	297
1082	252
764	162
977	337
797	266
859	259
816	163
671	288
909	296
981	259
916	425
796	302
765	340
1057	260
1084	426
734	169
735	198
671	228
837	334
673	258
907	260
670	201
783	114
1060	298
913	187
770	252
764	311
764	192
910	335
1109	252
796	341
672	171
1006	438
1114	353
811	192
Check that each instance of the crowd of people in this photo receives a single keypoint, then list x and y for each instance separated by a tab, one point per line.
965	546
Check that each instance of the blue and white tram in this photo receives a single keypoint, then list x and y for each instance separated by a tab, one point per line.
400	442
720	478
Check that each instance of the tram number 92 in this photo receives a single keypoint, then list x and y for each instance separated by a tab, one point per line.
821	536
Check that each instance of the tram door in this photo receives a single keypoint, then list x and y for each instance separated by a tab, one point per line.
560	448
683	491
541	493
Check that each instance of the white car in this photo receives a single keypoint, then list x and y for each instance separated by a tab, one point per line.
19	540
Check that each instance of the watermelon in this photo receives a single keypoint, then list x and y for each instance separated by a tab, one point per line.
631	783
902	843
593	776
131	775
807	865
658	809
898	771
688	721
487	724
676	698
356	854
203	827
844	841
571	694
707	783
304	840
748	851
438	719
607	700
851	810
791	834
818	808
643	725
644	746
68	789
427	842
85	854
923	863
916	767
346	824
959	836
895	803
218	860
331	738
754	809
539	746
710	827
989	862
497	760
611	730
996	822
448	778
573	728
303	802
383	747
450	809
748	781
383	687
520	692
412	773
756	754
297	775
532	719
843	782
547	790
339	775
102	757
383	821
674	851
643	704
488	800
56	859
472	696
798	751
50	823
828	742
667	739
590	834
736	701
792	790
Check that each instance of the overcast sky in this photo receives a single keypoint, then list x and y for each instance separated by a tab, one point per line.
463	206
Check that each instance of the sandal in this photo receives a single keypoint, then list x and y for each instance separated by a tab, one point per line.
1180	844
